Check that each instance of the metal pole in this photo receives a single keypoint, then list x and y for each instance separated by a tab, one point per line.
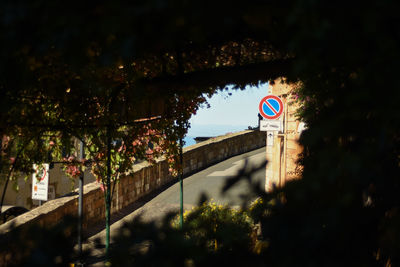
280	159
108	195
266	186
181	182
80	203
285	142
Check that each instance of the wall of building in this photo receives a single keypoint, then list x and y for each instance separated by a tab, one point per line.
145	179
59	184
284	150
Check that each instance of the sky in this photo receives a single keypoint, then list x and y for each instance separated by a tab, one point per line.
228	113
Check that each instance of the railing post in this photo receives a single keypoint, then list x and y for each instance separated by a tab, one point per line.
80	206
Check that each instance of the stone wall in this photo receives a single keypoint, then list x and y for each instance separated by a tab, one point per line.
146	179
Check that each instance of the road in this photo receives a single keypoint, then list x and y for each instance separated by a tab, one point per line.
209	181
212	180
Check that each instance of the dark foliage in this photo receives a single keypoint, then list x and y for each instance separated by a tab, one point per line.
41	246
345	209
203	241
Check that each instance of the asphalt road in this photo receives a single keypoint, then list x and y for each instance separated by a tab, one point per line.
212	180
209	182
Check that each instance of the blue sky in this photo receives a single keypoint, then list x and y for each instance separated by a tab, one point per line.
228	113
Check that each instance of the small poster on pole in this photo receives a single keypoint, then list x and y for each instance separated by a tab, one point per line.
270	138
40	181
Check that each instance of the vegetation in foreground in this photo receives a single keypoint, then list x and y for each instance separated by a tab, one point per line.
345	209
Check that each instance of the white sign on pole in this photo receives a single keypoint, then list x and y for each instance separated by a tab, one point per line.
268	125
40	182
270	138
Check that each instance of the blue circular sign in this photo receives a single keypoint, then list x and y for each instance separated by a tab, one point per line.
271	107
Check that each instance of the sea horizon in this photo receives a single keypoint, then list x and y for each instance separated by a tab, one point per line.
211	130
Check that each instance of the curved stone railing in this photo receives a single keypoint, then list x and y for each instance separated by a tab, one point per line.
145	179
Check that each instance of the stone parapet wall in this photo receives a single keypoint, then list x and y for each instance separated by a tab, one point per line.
145	179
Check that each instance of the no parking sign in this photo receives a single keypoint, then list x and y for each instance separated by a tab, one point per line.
271	107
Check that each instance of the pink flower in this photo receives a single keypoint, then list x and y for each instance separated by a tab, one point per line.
149	157
121	148
136	142
5	140
73	171
12	160
103	187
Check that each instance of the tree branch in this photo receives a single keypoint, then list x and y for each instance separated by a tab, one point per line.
11	171
221	76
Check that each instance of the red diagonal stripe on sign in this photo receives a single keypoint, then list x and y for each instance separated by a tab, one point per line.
271	107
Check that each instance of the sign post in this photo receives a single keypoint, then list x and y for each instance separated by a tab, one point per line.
40	182
270	108
80	205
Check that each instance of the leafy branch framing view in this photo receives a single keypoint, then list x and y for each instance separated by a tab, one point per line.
92	70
